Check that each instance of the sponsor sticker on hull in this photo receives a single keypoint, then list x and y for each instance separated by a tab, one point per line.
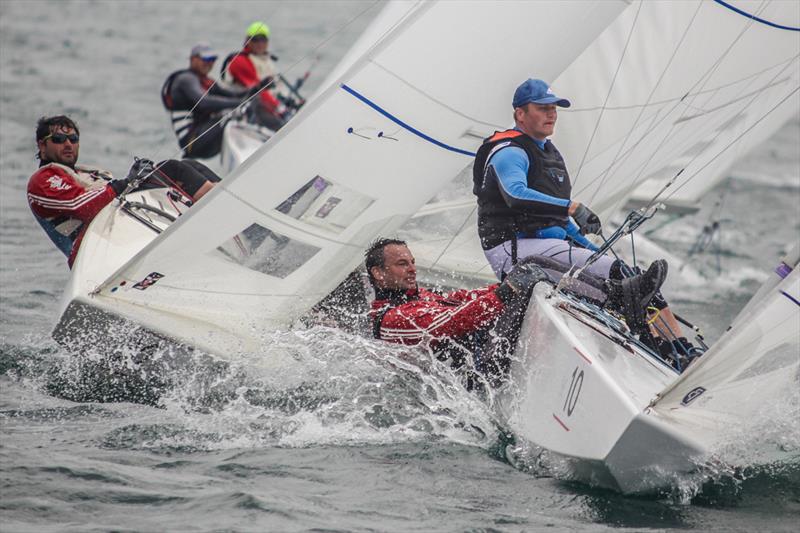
151	279
692	395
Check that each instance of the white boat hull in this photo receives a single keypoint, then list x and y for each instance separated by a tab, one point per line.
578	392
240	140
111	240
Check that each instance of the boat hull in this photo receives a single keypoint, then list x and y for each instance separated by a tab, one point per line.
240	140
578	389
114	236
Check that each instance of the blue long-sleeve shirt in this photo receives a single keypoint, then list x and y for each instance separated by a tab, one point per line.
511	166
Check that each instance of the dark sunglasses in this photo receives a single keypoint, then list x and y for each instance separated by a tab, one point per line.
61	138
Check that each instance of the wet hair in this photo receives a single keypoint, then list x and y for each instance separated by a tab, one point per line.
46	124
374	256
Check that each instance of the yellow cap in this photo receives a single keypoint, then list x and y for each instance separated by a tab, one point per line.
257	29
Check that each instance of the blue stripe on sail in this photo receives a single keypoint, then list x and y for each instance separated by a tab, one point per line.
399	122
792	298
748	15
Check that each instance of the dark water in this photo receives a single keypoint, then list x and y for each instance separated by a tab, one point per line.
349	434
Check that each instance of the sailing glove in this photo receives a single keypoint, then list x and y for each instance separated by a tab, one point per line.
520	281
140	169
587	220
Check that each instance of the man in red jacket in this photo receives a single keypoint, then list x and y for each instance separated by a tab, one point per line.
456	325
65	196
252	67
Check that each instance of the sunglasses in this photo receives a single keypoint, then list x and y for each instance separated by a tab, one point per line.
61	138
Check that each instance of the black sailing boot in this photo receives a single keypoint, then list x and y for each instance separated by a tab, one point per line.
630	296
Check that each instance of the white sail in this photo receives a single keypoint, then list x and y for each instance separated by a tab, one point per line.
293	221
747	372
669	87
392	12
674	85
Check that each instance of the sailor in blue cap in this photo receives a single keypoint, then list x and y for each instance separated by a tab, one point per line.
523	190
525	207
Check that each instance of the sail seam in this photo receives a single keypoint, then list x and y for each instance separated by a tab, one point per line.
757	19
405	125
792	298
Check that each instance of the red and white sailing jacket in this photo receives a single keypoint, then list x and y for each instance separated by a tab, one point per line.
419	315
64	200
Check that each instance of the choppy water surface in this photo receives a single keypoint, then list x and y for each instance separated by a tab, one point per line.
321	430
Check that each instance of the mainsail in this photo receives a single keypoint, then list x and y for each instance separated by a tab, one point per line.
670	92
288	226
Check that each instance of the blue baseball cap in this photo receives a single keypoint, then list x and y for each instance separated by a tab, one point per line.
537	92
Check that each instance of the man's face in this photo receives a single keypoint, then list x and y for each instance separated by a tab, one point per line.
537	120
65	152
259	45
399	270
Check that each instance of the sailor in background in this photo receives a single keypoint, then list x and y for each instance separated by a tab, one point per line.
457	326
524	207
253	66
65	196
198	104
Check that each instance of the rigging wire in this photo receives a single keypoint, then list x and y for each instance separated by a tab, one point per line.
678	98
628	152
610	90
607	171
701	82
711	142
734	141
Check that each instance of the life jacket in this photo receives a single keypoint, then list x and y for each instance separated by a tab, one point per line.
547	173
181	114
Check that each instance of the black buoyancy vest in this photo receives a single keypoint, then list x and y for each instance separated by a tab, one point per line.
182	116
166	91
547	173
224	74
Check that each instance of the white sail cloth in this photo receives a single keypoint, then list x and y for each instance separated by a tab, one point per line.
668	88
293	221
